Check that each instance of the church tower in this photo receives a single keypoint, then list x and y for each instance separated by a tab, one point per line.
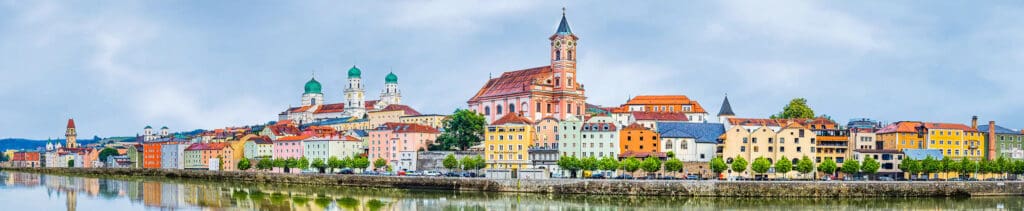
390	95
355	104
563	56
71	135
312	95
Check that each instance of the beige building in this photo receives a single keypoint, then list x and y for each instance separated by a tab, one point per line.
391	113
433	120
863	139
793	141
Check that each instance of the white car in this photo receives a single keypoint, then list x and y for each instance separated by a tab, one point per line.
432	173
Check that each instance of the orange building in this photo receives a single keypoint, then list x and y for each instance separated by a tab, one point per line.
151	153
664	104
637	138
902	135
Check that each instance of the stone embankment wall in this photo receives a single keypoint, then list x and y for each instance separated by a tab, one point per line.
579	186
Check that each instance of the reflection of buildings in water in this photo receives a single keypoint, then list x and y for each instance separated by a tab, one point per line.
71	201
151	193
172	196
28	180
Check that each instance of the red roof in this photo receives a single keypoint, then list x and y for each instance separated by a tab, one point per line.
513	82
753	122
512	118
660	116
331	108
71	123
207	146
599	126
663	100
283	130
900	127
398	107
294	138
949	126
369	104
407	128
635	126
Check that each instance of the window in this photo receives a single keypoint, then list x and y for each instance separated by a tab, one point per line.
769	140
569	56
511	108
499	109
742	149
558	55
744	140
753	140
782	140
782	149
549	107
797	149
487	111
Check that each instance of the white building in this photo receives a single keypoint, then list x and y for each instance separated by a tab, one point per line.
690	142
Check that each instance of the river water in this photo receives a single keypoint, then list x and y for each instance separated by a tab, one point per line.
36	192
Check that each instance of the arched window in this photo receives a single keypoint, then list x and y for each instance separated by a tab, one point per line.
526	108
511	108
499	109
538	107
558	55
312	101
568	109
558	81
487	110
569	56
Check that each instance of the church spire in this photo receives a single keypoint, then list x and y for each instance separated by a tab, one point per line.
563	27
726	108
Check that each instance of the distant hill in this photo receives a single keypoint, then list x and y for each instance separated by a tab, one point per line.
30	144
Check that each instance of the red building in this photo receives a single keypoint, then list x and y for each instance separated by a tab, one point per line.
151	153
25	159
539	92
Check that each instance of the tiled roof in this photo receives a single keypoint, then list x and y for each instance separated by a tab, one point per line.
641	155
701	132
331	108
369	104
948	126
407	128
207	146
512	82
665	100
726	108
660	116
299	109
362	133
753	122
262	140
599	127
999	130
635	126
398	107
900	127
71	123
283	130
921	154
512	118
294	138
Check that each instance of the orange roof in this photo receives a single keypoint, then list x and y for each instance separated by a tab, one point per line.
513	82
664	100
660	116
900	127
949	126
331	108
512	118
294	138
407	128
753	122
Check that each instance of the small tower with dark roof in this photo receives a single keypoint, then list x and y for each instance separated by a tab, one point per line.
726	112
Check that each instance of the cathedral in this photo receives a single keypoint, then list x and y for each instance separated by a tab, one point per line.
539	92
313	108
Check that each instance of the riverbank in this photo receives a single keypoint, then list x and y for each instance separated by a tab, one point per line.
580	186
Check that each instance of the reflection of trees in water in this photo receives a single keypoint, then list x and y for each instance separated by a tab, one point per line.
263	196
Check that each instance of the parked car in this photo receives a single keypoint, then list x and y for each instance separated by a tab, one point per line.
598	176
431	173
624	176
468	174
668	178
414	173
452	174
955	179
692	177
885	179
346	171
368	172
648	177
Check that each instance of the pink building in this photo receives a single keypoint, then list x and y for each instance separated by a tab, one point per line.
390	139
289	146
547	132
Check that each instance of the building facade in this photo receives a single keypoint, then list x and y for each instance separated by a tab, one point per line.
690	142
636	138
792	141
390	139
1007	143
681	104
599	138
507	142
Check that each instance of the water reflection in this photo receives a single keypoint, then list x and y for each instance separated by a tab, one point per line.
190	194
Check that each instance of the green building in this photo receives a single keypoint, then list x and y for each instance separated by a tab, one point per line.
1008	142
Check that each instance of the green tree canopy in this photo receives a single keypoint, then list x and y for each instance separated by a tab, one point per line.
870	166
946	163
739	165
450	162
783	166
303	163
265	164
463	129
797	108
479	162
828	166
380	162
631	164
588	163
805	165
1005	165
608	164
334	163
851	167
244	164
761	165
569	163
930	165
360	162
651	164
107	152
718	165
673	165
319	164
468	163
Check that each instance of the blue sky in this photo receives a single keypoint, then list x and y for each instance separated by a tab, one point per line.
118	66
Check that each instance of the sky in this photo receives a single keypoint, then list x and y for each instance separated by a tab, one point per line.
117	66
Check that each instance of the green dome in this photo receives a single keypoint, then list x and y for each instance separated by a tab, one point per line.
354	72
391	78
312	86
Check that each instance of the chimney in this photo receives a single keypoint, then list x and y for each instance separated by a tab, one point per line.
974	122
991	142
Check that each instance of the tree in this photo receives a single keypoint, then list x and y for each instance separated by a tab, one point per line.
870	166
334	163
851	168
673	165
289	164
360	162
784	166
302	164
588	164
945	163
608	164
278	163
1018	167
319	164
797	108
670	154
349	162
760	165
953	167
805	165
478	162
929	165
244	164
463	129
1005	166
718	166
468	163
380	162
569	163
988	167
631	164
739	165
967	166
450	162
651	165
914	168
827	166
107	152
265	164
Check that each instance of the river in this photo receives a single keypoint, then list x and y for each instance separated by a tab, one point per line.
29	191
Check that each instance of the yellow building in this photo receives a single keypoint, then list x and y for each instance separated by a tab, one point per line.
902	135
391	113
771	141
954	140
507	141
432	120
